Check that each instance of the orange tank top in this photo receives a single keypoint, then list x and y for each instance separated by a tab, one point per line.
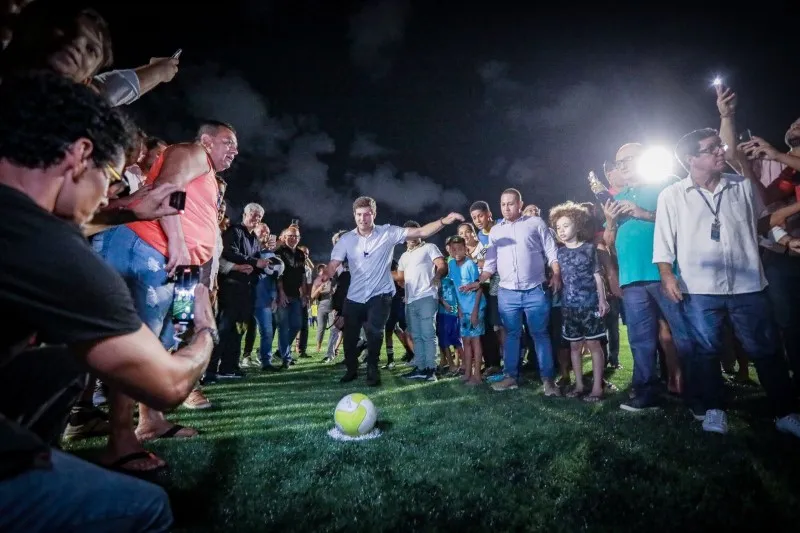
198	220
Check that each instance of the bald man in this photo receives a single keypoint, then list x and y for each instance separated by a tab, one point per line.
642	298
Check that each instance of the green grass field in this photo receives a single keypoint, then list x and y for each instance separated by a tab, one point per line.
458	459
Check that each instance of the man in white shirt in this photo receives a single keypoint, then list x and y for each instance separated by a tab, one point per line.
707	222
368	250
421	269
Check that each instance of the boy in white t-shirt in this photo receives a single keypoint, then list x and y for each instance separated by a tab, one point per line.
421	268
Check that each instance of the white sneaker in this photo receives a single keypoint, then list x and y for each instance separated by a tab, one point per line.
789	424
715	421
245	362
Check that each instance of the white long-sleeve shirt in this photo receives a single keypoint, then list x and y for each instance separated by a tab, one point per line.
729	266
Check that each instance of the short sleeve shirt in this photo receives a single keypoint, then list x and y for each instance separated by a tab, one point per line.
369	259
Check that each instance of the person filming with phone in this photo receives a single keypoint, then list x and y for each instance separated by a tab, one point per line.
55	166
776	175
148	253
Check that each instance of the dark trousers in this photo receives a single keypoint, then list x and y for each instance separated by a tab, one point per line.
250	337
235	309
783	274
372	316
38	389
302	338
751	318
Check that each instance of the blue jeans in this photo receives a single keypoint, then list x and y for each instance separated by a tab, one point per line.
290	321
644	304
263	316
142	268
751	318
78	496
534	305
421	321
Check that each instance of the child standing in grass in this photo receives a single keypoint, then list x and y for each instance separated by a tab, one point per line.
471	308
583	296
447	328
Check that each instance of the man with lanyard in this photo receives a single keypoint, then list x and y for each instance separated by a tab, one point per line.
642	298
707	222
368	250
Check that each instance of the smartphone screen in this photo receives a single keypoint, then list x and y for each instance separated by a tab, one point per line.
178	200
186	279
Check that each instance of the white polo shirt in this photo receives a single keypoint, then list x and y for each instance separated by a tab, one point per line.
729	266
418	270
369	260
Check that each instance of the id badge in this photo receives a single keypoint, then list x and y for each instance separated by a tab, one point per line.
715	231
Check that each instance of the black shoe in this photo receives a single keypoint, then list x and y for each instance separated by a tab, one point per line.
408	357
208	378
269	368
373	377
637	404
430	375
304	355
348	377
417	373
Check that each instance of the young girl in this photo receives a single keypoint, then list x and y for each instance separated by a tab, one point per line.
583	296
471	308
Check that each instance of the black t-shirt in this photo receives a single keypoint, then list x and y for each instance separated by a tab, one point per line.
294	270
399	290
53	285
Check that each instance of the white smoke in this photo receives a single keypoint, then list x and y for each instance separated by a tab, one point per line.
409	193
365	147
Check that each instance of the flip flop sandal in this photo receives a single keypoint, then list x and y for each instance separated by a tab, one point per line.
119	464
171	433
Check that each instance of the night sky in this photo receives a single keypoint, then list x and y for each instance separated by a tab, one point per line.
431	107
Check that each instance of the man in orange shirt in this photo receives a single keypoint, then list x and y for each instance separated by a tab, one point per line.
147	253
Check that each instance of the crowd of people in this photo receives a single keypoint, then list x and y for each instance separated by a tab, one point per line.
93	236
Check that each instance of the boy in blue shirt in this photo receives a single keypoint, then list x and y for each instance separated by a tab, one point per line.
447	330
471	308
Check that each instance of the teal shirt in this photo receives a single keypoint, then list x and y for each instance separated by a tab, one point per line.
634	242
448	293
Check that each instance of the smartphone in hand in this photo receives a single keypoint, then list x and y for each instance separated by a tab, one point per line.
177	54
186	279
177	200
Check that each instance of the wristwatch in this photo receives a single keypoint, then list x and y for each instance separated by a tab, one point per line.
211	331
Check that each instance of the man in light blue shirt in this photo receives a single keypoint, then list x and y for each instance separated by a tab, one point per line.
520	250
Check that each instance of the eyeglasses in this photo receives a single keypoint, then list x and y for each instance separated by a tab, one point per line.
714	148
113	175
608	166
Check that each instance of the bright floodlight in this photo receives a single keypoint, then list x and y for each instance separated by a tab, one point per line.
717	81
655	164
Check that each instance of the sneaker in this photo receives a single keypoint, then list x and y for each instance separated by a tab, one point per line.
507	383
495	378
269	368
388	366
255	361
636	404
236	374
697	415
430	375
245	362
715	421
99	395
417	373
197	400
209	378
789	424
85	422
